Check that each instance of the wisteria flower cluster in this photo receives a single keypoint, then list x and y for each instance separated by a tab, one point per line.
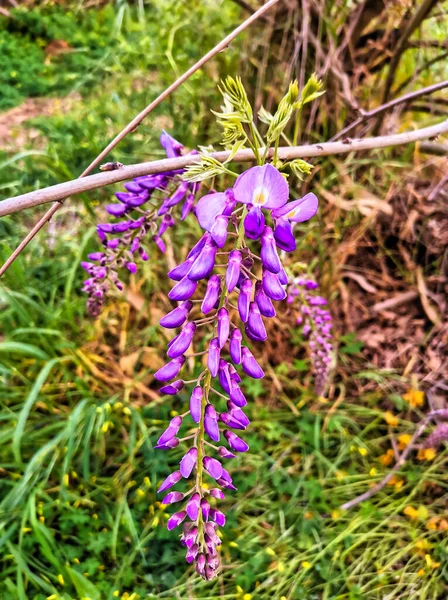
143	213
237	283
225	291
316	323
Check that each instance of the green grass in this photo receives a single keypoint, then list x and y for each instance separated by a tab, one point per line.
79	514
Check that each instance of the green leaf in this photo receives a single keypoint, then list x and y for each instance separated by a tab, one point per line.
31	399
25	349
83	586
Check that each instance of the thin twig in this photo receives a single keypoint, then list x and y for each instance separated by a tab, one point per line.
78	186
370	114
138	119
400	462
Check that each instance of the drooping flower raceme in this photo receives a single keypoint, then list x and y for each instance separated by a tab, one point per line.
143	213
316	323
228	285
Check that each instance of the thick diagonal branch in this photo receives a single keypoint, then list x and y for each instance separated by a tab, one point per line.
78	186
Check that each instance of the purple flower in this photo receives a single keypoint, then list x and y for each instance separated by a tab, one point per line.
171	431
264	187
263	301
213	356
172	147
212	294
192	506
298	210
213	467
175	520
284	236
173	497
268	254
235	442
188	462
170	370
181	270
223	326
172	388
250	365
219	230
211	423
212	206
254	223
183	290
233	269
177	316
204	263
170	481
272	286
196	403
236	395
244	299
235	346
255	322
180	344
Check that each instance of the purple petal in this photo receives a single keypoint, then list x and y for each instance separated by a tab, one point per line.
250	365
254	223
170	370
268	254
235	346
263	301
213	357
299	210
196	404
244	299
236	395
255	323
173	497
235	442
284	236
233	269
204	263
117	210
262	186
183	290
213	467
211	423
209	207
219	231
172	388
272	286
188	462
170	481
192	506
182	342
172	147
177	316
223	326
175	520
211	294
181	270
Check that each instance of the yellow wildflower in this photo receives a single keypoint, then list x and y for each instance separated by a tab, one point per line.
426	454
403	440
61	579
372	472
306	564
411	512
386	459
421	572
363	451
390	418
414	397
271	552
280	567
431	564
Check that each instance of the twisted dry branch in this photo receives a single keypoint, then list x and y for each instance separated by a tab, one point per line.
70	188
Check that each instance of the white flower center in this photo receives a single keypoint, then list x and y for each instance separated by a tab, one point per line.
260	196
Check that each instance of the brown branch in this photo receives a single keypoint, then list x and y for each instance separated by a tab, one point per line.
138	119
78	186
400	462
370	114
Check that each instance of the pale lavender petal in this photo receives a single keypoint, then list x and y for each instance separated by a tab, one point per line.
209	207
262	186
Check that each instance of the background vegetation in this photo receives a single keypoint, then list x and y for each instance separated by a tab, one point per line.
79	516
